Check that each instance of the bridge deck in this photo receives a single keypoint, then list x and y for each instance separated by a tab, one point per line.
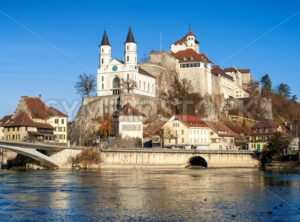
40	146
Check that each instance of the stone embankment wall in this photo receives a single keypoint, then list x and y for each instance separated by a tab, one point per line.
174	159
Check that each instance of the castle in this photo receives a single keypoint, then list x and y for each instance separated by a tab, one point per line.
115	76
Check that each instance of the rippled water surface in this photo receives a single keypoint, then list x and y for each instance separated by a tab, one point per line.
150	195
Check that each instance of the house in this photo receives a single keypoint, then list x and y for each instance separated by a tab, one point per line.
2	122
261	132
36	121
128	122
185	131
21	127
59	121
221	136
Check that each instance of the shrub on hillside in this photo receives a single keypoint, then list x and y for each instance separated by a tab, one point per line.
88	157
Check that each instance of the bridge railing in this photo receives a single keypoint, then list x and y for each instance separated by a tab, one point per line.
47	146
40	145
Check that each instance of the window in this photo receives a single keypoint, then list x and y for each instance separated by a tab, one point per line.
127	76
127	59
56	121
116	83
62	121
182	131
102	78
127	47
182	140
102	86
102	61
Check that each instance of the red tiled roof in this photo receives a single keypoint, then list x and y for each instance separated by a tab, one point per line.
129	110
190	55
191	121
37	108
216	70
56	112
233	69
22	119
180	41
4	120
265	127
220	128
267	123
246	71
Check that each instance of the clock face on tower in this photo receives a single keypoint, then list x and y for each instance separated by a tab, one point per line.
115	68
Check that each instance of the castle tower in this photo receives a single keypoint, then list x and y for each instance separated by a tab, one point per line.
190	41
130	49
104	51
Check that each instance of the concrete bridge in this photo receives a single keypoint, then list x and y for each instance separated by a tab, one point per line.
60	155
137	158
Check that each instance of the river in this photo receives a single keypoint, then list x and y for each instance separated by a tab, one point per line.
150	195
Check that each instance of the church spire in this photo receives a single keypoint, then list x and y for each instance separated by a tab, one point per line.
105	40
130	37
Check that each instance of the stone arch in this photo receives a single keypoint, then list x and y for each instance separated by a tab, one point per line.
197	161
116	84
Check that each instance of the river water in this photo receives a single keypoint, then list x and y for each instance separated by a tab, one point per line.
150	195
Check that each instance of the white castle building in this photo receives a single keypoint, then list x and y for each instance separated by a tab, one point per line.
184	57
115	76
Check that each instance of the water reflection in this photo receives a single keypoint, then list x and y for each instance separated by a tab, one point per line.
166	195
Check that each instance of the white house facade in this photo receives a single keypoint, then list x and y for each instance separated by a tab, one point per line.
128	122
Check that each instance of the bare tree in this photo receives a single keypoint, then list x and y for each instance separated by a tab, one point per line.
169	134
86	84
180	92
128	84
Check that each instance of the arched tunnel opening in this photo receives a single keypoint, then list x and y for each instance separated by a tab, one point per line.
198	161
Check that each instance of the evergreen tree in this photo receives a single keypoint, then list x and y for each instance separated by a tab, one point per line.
278	143
284	90
294	99
266	86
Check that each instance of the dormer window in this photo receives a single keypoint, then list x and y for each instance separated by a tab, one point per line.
184	58
191	58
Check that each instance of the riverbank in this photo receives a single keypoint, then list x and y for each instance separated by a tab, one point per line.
283	165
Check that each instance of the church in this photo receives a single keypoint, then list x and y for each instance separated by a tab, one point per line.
116	76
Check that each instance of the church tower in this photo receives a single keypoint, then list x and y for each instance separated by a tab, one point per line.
104	51
130	49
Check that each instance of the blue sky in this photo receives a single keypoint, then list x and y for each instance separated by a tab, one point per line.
45	45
